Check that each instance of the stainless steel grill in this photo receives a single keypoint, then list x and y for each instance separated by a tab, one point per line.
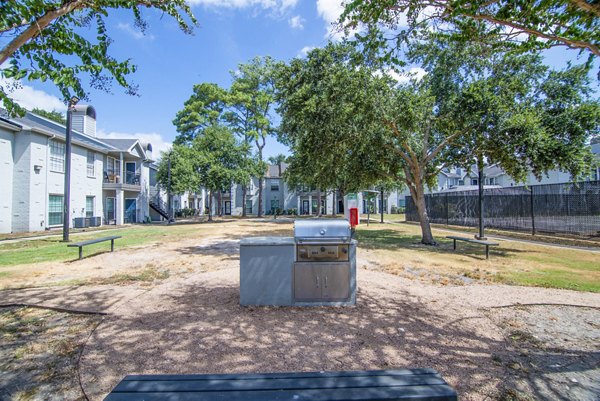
324	266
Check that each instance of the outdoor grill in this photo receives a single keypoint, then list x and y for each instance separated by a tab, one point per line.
325	266
315	267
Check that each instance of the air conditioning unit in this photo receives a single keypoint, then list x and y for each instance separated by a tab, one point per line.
95	221
80	222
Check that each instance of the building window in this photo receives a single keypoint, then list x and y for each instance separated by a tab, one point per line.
91	158
274	185
89	206
248	206
55	210
474	182
57	156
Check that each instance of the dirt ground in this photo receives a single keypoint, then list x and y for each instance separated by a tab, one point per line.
490	342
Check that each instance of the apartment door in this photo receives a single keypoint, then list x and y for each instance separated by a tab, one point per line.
305	206
130	211
228	208
130	176
109	214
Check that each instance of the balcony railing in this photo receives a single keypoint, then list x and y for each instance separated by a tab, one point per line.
130	178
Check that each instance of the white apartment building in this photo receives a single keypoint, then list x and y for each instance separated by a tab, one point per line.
109	178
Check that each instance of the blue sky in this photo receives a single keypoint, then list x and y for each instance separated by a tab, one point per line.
170	63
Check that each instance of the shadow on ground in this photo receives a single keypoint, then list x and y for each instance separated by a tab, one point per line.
203	329
394	239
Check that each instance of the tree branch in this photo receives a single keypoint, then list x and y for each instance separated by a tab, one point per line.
36	27
593	8
578	44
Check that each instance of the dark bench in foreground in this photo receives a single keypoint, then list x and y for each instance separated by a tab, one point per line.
95	241
475	241
381	385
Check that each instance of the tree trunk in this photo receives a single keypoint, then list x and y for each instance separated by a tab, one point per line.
418	194
210	205
219	203
260	185
244	189
319	204
333	201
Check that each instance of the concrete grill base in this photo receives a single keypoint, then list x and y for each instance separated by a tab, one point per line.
267	274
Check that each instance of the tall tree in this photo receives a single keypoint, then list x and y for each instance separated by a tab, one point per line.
214	160
252	98
544	24
204	108
488	109
329	120
42	40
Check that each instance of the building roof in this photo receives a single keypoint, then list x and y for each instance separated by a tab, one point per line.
34	122
45	126
122	145
273	170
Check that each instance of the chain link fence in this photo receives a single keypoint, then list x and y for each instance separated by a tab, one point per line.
571	208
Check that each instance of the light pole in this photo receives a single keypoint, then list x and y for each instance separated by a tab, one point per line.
67	190
169	201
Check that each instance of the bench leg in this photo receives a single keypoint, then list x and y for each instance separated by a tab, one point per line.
80	252
455	245
487	251
112	245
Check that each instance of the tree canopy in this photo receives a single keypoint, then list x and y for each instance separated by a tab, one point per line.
328	119
523	24
45	40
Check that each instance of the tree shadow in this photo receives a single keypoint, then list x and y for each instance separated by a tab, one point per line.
386	239
203	329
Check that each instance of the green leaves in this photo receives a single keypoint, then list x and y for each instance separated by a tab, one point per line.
331	120
44	43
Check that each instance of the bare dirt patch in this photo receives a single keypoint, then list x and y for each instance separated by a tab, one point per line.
39	352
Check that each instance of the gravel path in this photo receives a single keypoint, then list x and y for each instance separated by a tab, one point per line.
197	326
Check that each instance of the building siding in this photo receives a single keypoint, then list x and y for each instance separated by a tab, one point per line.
7	139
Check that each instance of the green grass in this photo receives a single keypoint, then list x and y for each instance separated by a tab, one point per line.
514	263
552	278
52	249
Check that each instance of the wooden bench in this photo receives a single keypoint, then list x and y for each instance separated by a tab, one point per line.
94	241
475	241
382	385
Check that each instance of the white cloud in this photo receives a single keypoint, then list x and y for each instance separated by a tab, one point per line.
157	141
305	50
274	5
31	98
134	33
416	73
330	10
296	22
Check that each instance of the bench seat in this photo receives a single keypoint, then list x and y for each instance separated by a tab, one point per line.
402	384
474	241
81	244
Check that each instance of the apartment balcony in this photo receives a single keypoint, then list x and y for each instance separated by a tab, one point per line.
113	181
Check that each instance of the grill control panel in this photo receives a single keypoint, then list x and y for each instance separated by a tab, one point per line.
322	252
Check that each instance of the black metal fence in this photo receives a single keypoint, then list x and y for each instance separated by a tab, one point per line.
572	208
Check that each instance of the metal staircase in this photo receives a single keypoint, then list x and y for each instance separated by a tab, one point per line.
158	204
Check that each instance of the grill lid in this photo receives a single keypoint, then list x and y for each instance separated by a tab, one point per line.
324	230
